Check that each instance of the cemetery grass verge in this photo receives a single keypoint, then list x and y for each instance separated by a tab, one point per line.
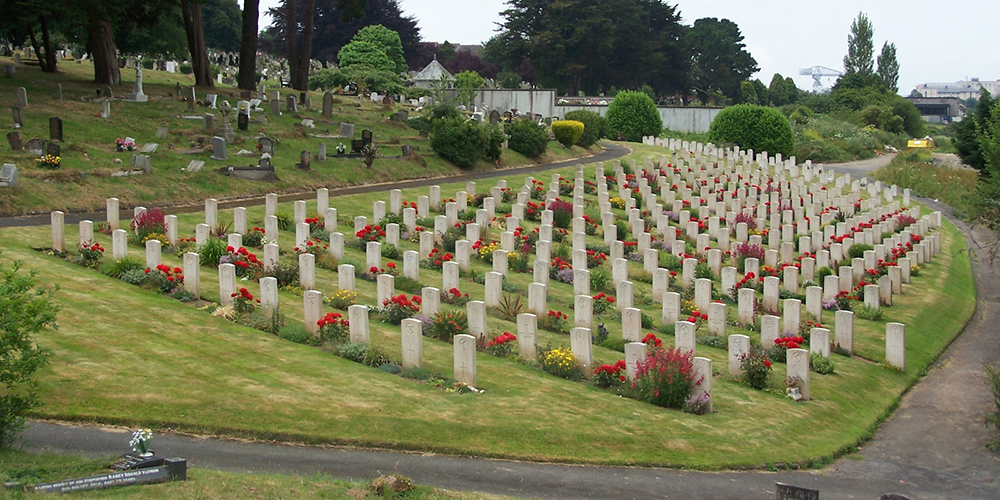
130	357
32	468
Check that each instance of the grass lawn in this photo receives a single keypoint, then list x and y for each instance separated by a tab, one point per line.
32	468
83	181
132	357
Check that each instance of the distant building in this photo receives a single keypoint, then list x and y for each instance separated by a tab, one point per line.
959	90
432	75
939	109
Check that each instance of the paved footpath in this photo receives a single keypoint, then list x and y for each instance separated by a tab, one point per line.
933	447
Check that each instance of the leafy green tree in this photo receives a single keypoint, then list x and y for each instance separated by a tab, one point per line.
590	46
966	140
24	311
753	127
860	47
468	84
445	51
508	80
223	24
632	115
748	94
777	91
719	59
361	52
763	96
792	90
888	67
387	40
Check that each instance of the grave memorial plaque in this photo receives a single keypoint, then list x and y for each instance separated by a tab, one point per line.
242	122
788	492
55	129
265	145
366	137
52	149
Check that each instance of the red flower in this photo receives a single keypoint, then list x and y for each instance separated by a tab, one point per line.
767	363
373	269
391	265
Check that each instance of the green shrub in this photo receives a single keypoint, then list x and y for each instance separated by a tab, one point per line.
118	268
527	138
147	63
857	250
458	141
560	362
594	126
416	373
494	142
211	251
567	132
185	69
753	127
869	313
820	364
632	115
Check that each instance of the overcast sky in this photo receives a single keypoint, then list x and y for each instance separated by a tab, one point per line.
935	41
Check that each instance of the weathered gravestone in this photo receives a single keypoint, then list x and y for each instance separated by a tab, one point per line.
327	105
55	129
346	129
14	139
494	117
265	145
52	149
291	106
9	70
219	148
161	133
18	119
22	97
57	93
8	175
36	147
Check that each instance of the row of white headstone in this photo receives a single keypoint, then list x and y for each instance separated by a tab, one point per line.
583	313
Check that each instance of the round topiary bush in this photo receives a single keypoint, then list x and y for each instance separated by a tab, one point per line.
632	115
527	138
593	126
567	132
458	141
753	127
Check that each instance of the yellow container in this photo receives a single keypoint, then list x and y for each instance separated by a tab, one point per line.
920	144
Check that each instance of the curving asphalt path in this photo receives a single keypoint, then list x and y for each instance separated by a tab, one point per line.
933	447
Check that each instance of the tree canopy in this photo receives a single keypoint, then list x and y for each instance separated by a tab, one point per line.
888	67
592	45
860	47
719	58
387	41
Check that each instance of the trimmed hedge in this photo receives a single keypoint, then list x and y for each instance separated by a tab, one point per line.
567	132
527	138
753	127
594	126
632	115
